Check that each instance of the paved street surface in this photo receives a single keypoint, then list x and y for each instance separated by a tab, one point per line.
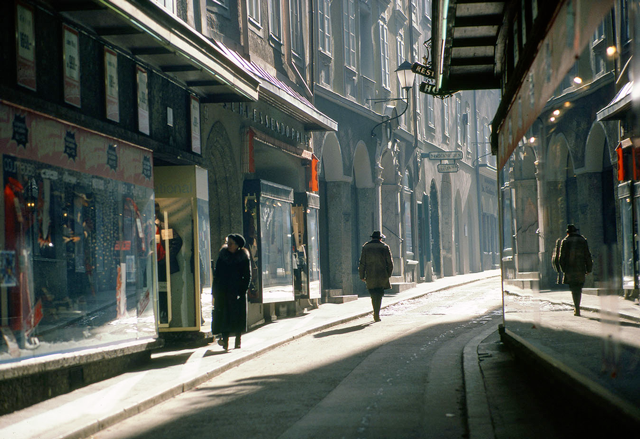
401	377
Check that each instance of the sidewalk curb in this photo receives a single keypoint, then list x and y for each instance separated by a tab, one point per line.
115	418
626	414
479	419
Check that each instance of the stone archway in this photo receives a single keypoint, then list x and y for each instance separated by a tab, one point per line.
390	199
434	238
446	229
559	191
225	190
458	235
336	215
363	199
597	190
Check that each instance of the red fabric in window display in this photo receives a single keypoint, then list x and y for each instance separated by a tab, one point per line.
19	300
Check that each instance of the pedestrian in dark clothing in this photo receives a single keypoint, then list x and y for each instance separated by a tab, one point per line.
375	269
575	262
231	280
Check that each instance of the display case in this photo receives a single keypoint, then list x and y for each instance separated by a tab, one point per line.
182	246
268	232
306	249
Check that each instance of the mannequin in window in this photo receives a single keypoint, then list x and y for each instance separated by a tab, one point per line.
175	244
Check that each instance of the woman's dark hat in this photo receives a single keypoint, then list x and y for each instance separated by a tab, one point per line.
571	228
238	239
377	235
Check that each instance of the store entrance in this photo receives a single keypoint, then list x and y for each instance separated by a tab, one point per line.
182	246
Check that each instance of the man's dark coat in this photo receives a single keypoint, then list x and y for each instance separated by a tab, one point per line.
575	258
376	265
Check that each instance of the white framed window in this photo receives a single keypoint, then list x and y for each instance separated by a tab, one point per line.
349	19
430	114
384	55
295	17
445	115
275	19
324	26
253	9
400	47
467	129
459	131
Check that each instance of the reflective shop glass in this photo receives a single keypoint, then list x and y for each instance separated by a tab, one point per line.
78	260
564	170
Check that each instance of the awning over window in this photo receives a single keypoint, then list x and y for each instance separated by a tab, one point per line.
279	95
620	104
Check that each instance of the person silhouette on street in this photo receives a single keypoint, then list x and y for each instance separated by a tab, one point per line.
231	279
575	262
375	269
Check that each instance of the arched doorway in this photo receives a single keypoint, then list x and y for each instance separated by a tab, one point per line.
434	216
560	190
601	230
391	221
225	193
335	227
458	235
362	202
446	231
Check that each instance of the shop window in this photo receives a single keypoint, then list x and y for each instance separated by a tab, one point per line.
78	262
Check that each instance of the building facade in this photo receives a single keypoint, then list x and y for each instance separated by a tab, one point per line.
375	172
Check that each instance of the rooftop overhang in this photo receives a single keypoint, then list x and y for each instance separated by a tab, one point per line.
165	42
467	44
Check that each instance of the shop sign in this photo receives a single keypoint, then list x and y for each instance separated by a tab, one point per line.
26	135
423	70
26	40
446	168
111	84
444	155
195	125
143	100
71	54
269	122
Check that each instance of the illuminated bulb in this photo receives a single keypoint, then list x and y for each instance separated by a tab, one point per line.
577	80
532	140
567	104
611	50
556	113
552	119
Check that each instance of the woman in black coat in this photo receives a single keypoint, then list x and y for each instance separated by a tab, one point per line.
231	280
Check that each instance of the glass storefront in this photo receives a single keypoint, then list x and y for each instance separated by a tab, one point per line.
268	230
183	246
307	252
78	253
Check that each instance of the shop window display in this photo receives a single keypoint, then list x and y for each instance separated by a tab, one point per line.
268	230
78	261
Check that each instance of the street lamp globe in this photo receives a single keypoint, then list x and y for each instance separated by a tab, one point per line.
405	75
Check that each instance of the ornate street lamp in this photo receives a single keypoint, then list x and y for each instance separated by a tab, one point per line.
406	78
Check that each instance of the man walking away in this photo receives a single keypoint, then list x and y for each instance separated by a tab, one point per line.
375	269
575	262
